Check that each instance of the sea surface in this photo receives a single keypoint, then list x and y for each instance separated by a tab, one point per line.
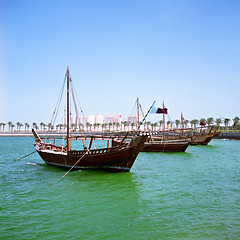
191	195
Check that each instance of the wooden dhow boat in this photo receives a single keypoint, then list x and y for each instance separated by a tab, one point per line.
157	145
118	158
201	136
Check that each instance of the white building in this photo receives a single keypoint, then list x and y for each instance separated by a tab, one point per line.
92	119
134	118
74	120
113	119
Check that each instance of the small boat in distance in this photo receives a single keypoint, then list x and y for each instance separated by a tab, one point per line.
197	136
118	158
156	145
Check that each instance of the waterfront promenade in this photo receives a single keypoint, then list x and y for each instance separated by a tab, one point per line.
222	135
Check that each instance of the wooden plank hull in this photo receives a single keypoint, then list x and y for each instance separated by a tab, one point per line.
119	161
161	146
203	139
164	147
110	159
200	140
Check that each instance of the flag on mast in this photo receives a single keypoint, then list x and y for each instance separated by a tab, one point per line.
159	110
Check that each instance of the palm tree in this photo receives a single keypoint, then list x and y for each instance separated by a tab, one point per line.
110	124
2	125
194	122
155	125
103	126
235	123
148	124
80	126
203	120
209	121
168	124
125	123
185	123
26	125
226	122
114	124
49	126
132	125
42	125
88	124
160	124
117	125
177	122
18	126
9	125
34	125
218	121
94	126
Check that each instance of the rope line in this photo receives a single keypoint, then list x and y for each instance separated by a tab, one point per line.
76	163
24	156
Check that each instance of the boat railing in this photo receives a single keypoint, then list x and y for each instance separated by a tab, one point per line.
93	151
169	141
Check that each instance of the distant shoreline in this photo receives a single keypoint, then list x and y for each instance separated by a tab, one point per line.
229	135
222	135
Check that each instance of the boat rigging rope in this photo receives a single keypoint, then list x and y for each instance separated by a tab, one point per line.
76	163
146	115
55	112
75	93
134	107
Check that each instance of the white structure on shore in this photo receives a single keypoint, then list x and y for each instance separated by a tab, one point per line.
95	119
81	122
111	122
132	118
113	119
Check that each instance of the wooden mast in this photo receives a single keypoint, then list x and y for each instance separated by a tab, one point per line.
163	123
137	113
68	134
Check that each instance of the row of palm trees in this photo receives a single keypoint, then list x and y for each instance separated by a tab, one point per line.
125	125
26	126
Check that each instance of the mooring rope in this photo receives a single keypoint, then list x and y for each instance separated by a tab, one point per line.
24	156
76	163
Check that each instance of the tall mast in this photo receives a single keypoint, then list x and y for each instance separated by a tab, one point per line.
182	122
163	120
137	112
68	135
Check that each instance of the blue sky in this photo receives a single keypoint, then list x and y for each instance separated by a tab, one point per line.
185	53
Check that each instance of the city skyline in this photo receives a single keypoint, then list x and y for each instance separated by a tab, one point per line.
108	120
185	54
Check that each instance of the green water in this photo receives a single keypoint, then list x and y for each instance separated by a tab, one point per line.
191	195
